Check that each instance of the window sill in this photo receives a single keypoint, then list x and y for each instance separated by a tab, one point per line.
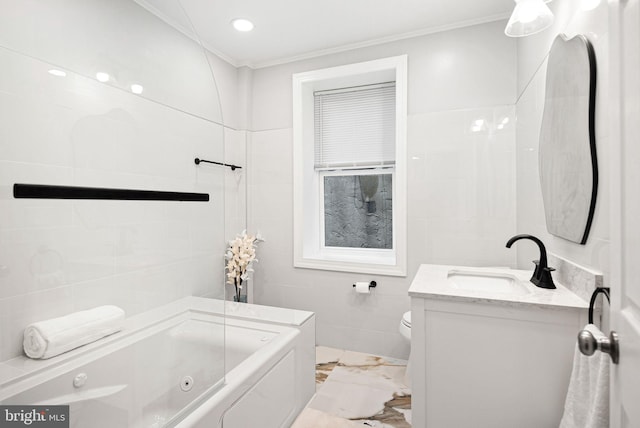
374	268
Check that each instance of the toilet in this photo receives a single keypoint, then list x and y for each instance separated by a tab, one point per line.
405	331
405	326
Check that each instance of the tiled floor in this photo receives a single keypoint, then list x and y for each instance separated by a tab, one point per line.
357	390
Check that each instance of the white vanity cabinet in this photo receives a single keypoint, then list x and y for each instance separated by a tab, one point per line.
486	357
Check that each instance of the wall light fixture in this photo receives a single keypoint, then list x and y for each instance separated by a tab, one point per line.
528	17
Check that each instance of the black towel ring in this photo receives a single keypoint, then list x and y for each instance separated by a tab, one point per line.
603	290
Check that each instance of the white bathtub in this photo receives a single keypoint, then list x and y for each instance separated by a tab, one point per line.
166	369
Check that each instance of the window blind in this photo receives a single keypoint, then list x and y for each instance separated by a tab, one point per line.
355	127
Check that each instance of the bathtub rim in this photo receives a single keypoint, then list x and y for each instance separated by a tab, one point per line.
22	373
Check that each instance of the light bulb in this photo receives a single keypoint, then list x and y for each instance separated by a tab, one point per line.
242	24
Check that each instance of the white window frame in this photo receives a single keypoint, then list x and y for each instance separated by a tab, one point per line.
307	225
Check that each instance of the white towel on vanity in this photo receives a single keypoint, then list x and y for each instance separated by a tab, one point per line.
46	339
587	403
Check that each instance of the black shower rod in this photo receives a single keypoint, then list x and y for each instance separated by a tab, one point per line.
233	167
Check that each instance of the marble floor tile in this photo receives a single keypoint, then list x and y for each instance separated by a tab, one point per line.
357	388
325	355
326	361
312	418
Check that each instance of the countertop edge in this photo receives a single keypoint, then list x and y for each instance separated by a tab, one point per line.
428	284
496	301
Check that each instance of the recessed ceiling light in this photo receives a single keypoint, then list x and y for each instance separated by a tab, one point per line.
136	88
242	24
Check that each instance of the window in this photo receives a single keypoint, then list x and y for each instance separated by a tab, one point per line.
357	209
354	152
350	175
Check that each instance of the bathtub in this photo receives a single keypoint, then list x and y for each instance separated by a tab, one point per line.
182	365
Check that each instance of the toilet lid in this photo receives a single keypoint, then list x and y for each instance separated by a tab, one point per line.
406	319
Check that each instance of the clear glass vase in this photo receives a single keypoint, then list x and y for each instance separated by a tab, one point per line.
240	295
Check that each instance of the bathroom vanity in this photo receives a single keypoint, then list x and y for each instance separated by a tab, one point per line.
490	349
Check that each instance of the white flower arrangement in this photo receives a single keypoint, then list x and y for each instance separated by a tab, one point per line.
240	255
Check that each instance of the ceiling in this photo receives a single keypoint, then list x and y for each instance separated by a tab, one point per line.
293	29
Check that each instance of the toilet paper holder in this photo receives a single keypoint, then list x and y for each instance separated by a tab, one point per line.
372	284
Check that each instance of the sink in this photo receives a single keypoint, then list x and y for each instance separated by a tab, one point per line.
491	282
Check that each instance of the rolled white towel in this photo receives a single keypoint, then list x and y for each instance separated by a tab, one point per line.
46	339
587	402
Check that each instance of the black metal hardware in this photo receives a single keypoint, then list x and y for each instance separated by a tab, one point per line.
372	284
542	274
592	302
45	191
589	344
233	167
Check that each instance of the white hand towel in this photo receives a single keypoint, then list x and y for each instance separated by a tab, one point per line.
587	403
46	339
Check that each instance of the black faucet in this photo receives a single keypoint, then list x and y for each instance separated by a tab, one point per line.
542	273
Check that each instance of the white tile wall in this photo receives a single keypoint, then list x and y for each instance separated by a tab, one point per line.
120	38
466	68
235	182
228	84
461	184
58	256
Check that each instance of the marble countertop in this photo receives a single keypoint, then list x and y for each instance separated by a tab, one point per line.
432	282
